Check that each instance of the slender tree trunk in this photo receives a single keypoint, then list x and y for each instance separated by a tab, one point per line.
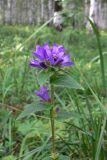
92	14
86	9
7	11
57	15
42	10
1	12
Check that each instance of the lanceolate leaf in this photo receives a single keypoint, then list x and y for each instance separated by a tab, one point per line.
31	108
66	81
43	77
63	157
67	115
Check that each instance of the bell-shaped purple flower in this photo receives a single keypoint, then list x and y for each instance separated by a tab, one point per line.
47	56
43	94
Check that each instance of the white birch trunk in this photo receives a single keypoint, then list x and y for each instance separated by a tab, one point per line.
86	10
13	12
7	11
42	10
92	14
58	19
97	13
102	14
39	12
1	12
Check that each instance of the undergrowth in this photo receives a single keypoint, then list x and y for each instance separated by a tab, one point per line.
82	135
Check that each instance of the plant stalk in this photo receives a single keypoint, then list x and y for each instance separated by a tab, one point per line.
52	118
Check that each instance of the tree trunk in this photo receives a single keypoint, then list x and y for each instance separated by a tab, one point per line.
97	13
57	15
92	14
102	14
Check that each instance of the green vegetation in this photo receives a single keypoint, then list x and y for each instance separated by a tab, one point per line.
81	134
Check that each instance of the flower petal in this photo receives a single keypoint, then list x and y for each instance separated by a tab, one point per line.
43	93
66	61
35	63
39	52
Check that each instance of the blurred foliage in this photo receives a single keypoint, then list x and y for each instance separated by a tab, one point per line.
73	13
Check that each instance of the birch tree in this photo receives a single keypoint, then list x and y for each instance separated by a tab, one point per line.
97	13
57	15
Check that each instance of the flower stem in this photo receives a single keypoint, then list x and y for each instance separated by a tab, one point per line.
53	133
52	123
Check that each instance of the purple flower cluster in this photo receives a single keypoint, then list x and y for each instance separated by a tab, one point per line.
46	57
50	56
43	94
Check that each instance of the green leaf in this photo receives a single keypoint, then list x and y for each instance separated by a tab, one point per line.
66	115
10	157
66	81
43	77
31	108
100	141
63	157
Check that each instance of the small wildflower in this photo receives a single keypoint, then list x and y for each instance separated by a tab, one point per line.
43	94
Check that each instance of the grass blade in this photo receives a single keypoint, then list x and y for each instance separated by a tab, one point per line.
100	139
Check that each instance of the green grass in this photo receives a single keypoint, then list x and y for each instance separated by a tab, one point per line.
80	136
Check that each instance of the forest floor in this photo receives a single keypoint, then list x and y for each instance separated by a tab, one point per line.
29	138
